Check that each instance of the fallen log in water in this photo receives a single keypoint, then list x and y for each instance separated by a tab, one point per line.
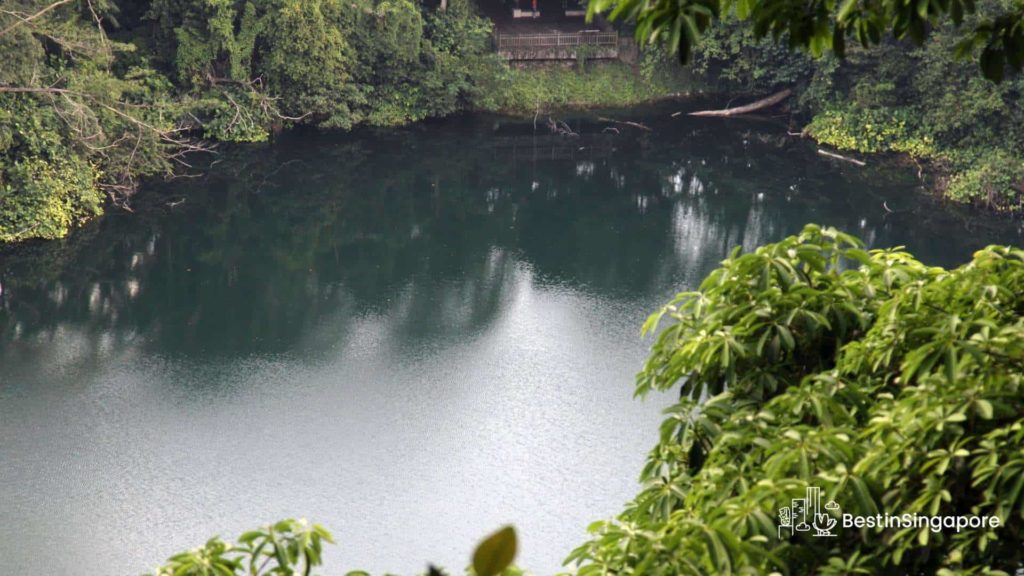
752	107
625	123
841	157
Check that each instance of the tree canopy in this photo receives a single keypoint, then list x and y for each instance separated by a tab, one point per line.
996	36
97	94
892	386
292	547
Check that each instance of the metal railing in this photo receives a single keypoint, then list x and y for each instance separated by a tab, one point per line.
510	42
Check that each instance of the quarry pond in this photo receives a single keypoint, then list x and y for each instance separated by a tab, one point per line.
411	336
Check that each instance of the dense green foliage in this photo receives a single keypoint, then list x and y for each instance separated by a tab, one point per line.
923	102
894	387
896	97
95	94
822	25
525	90
289	547
293	547
327	63
71	130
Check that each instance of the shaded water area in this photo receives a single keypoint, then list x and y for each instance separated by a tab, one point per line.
410	336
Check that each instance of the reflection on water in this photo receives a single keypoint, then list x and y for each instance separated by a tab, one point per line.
412	336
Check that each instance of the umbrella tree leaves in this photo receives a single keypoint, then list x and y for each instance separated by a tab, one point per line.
893	386
295	547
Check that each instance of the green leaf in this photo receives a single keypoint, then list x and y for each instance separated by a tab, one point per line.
743	9
496	553
787	336
984	408
993	63
848	8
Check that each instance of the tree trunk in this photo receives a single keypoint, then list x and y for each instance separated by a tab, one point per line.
752	107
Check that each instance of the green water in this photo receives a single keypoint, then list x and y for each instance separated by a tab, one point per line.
411	336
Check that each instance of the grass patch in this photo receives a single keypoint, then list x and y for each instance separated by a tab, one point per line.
596	84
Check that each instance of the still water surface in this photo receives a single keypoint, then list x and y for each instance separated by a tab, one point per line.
410	336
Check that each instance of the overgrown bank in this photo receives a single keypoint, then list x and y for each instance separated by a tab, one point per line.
896	97
596	84
96	94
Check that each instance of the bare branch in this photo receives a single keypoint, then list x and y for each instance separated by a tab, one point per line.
26	90
34	16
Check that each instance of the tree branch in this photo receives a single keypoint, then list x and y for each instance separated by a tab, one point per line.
752	107
33	17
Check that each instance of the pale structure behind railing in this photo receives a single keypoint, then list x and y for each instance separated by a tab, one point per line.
557	45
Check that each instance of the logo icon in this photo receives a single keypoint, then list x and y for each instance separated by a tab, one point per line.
805	513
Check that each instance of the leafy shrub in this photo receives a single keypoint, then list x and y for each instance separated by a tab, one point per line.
894	97
44	199
993	176
870	130
734	60
892	385
231	115
46	186
293	547
307	62
287	547
603	84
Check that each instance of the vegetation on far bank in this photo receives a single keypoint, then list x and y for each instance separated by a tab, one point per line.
922	101
594	84
96	95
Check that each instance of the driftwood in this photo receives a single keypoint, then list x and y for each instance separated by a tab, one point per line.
625	123
841	157
560	128
752	107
